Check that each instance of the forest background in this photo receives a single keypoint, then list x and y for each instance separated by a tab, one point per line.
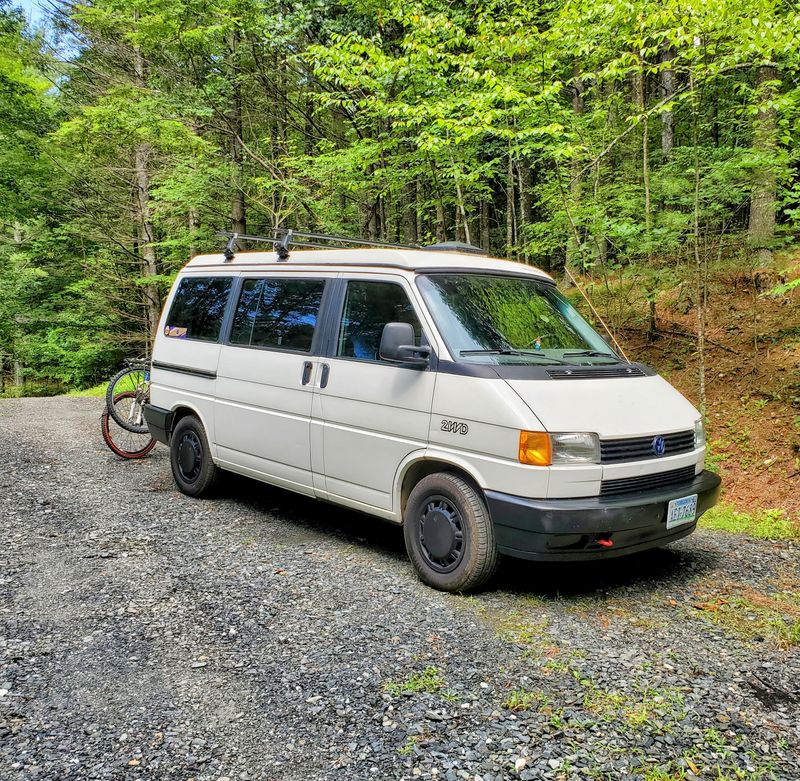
647	149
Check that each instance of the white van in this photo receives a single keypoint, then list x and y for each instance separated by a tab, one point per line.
458	395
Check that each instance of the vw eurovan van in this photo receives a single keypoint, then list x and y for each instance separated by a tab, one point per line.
458	395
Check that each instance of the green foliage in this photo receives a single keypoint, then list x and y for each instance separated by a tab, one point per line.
509	123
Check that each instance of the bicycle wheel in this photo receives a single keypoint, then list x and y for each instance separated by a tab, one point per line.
128	412
122	441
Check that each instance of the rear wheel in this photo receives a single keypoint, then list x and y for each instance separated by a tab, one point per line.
448	533
190	456
122	441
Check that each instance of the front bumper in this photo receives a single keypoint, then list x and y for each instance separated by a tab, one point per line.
579	529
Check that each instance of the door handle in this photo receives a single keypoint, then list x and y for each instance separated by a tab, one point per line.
323	380
307	368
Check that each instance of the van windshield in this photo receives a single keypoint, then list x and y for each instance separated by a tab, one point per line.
510	320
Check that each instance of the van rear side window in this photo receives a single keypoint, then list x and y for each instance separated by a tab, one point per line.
198	308
278	313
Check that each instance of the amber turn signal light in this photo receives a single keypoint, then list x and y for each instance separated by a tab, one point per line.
534	448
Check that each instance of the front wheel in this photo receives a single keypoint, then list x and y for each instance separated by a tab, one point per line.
448	533
133	384
190	456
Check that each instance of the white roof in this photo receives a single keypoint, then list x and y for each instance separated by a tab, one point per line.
406	259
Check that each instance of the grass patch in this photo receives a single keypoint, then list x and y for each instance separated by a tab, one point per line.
96	392
772	524
409	746
743	611
645	706
429	680
522	699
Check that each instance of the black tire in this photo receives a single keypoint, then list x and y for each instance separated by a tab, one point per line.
458	552
190	456
125	443
127	382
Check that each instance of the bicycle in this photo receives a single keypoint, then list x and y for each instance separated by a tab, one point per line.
121	440
127	393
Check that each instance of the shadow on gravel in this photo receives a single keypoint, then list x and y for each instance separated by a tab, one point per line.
653	569
313	520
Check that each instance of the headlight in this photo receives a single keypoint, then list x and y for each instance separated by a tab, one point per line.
538	448
575	448
699	433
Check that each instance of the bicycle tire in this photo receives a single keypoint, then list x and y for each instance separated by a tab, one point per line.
126	380
127	444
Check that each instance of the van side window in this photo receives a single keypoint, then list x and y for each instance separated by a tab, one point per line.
278	313
197	308
368	306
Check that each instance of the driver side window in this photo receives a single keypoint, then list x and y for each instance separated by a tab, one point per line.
368	306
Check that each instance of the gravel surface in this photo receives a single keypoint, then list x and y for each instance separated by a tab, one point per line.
259	635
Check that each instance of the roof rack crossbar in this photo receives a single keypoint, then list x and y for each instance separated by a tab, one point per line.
283	238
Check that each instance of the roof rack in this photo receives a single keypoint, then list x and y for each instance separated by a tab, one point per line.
283	238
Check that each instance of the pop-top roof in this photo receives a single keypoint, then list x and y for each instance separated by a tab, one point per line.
405	259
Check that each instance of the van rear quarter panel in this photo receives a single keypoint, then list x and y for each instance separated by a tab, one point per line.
475	422
172	389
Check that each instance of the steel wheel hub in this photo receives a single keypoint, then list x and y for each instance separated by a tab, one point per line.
190	456
441	534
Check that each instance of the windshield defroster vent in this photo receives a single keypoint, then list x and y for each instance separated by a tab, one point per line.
594	372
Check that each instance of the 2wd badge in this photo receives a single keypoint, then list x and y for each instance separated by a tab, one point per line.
455	427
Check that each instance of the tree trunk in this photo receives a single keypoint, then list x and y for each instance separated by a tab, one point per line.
484	225
573	243
510	221
652	286
236	130
763	198
410	213
524	188
144	217
441	221
667	116
699	261
462	223
192	223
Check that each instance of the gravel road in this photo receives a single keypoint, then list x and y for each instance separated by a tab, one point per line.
259	635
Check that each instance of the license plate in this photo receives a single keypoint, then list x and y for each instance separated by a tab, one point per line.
680	511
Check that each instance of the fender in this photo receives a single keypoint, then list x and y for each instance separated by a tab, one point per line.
430	454
184	404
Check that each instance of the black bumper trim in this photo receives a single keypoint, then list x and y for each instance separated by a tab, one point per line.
569	529
159	421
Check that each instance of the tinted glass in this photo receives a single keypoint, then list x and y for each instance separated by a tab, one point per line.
198	307
278	313
368	307
519	320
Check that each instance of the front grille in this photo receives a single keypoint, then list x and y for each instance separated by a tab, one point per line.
613	451
629	485
594	372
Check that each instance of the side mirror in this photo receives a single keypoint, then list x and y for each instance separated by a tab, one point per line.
397	344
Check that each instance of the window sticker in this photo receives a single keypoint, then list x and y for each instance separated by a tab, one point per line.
175	331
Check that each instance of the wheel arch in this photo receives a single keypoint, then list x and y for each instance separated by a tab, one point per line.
181	410
420	465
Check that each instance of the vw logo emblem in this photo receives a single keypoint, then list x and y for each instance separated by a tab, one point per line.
659	446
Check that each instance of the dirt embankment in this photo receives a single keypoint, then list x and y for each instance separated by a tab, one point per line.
752	383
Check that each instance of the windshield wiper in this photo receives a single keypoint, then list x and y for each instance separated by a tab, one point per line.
525	353
590	354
